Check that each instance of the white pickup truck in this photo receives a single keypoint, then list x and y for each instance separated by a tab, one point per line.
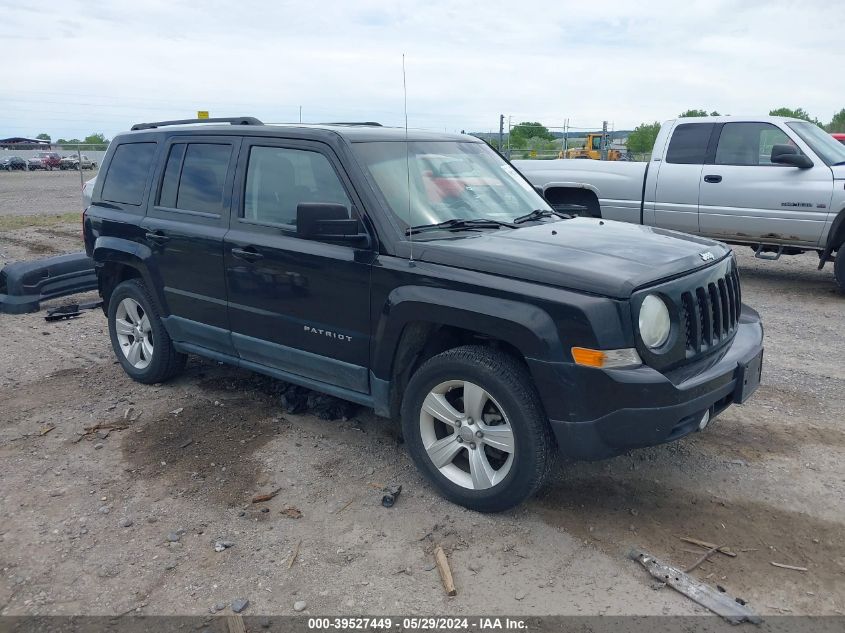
773	183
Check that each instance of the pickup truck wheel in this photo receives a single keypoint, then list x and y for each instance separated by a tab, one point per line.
839	269
474	425
138	337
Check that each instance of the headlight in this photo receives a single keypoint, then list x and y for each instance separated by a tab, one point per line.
655	323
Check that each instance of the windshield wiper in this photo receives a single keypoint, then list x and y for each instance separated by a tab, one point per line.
460	223
537	214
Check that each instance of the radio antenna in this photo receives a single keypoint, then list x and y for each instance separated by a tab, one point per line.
407	163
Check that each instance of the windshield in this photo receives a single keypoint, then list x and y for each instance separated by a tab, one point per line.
448	180
822	143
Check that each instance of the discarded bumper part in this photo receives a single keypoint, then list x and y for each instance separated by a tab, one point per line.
72	310
23	285
719	602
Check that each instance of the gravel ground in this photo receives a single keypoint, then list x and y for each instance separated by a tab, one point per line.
41	192
128	518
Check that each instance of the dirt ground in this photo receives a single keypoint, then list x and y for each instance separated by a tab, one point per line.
126	519
41	192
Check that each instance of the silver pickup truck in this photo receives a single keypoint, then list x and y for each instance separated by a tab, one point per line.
773	183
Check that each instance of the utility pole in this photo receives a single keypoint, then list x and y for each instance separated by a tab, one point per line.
604	140
565	136
300	114
509	138
501	130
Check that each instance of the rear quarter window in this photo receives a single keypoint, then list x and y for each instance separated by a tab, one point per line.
689	142
128	173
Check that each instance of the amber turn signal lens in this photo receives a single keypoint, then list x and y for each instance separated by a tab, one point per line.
588	357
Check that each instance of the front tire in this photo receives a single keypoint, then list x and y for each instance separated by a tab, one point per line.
474	425
839	269
140	342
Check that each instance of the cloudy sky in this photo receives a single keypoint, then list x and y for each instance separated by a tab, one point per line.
70	68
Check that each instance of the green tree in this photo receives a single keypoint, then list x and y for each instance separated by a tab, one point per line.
521	132
43	137
837	123
693	113
97	138
642	139
61	141
796	113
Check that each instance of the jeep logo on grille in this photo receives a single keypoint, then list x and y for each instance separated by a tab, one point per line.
707	256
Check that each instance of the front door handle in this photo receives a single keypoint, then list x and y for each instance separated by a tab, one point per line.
713	178
158	237
249	254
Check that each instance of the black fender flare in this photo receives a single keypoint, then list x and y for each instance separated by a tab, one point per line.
116	250
835	239
526	327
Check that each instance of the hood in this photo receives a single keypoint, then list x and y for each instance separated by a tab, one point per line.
600	257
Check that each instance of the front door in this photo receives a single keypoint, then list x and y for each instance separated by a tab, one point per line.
184	228
298	306
744	196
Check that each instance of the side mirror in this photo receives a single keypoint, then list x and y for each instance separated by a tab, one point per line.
788	155
327	220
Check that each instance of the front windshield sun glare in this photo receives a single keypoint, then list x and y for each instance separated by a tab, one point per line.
447	180
831	151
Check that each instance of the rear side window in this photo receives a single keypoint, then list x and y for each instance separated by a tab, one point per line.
128	172
194	177
689	144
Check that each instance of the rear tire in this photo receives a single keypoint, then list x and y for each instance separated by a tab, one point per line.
839	269
140	342
474	425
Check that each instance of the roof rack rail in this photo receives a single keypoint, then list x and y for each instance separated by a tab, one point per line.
242	120
364	123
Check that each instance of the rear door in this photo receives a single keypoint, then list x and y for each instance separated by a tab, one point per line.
299	306
184	227
679	177
744	196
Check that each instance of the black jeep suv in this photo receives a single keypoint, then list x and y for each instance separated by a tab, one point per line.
421	275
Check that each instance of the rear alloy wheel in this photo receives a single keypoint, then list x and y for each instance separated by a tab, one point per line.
475	427
134	333
138	337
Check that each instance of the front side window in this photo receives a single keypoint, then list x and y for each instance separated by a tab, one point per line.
128	171
689	143
748	143
448	180
278	179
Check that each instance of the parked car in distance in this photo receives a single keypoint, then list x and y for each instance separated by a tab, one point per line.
11	163
772	183
45	160
72	161
839	137
419	274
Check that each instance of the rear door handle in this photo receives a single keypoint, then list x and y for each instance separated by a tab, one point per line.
249	254
157	237
712	178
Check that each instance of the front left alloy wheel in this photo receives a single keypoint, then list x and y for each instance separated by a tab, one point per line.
475	427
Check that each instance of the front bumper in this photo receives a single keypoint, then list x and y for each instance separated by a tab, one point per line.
597	413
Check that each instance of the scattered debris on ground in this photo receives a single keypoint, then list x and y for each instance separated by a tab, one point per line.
391	494
717	600
445	571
